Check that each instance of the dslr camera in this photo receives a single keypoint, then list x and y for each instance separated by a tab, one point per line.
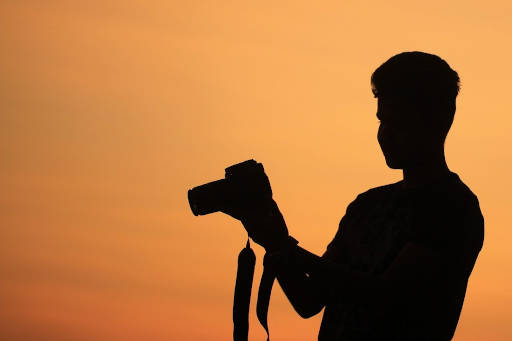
244	183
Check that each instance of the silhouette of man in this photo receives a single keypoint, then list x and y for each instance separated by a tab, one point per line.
398	266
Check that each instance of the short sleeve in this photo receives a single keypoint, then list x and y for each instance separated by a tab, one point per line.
335	248
450	223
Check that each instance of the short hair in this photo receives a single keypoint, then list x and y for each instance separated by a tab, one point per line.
422	80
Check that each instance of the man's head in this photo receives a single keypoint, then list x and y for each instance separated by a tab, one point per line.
416	94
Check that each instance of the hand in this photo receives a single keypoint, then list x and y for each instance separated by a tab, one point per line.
263	222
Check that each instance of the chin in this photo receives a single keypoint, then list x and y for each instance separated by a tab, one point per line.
394	164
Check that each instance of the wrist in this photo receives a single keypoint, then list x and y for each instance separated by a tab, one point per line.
280	257
282	246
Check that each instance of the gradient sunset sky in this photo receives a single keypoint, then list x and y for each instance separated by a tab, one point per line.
111	110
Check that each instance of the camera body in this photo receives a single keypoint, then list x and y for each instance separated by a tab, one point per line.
244	182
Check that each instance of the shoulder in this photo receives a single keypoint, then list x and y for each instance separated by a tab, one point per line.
379	190
355	209
367	200
362	202
451	198
449	214
374	194
472	219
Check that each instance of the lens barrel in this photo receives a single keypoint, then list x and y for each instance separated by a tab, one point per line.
207	198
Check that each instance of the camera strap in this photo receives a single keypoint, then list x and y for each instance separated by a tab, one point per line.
266	282
243	286
242	297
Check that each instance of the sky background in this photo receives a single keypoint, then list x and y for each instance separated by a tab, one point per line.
111	110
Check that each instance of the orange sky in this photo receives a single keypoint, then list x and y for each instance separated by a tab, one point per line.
111	110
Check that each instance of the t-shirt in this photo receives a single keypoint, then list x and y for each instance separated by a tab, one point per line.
443	215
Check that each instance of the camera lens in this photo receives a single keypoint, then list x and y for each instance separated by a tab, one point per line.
193	203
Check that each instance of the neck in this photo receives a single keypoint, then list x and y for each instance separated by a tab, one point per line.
426	171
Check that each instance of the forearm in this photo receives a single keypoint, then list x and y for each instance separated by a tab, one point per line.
301	290
309	281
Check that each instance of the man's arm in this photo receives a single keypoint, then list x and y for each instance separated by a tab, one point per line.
302	291
310	281
433	263
417	273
